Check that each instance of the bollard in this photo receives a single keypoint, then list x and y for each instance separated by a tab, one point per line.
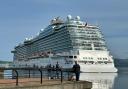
29	74
61	76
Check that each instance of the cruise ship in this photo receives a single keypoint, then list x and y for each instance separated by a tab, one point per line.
66	41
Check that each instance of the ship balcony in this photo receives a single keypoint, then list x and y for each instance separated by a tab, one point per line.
13	51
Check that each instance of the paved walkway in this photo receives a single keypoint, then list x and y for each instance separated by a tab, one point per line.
27	82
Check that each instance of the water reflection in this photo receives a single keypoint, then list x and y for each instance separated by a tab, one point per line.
7	74
100	80
121	81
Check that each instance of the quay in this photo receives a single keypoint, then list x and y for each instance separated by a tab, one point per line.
47	84
41	82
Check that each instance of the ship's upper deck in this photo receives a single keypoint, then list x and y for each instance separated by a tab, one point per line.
58	23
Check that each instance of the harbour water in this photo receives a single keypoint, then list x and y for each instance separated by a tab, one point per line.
104	80
108	80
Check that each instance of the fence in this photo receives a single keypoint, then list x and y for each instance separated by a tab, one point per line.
49	73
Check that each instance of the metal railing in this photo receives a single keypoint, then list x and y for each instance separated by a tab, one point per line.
59	72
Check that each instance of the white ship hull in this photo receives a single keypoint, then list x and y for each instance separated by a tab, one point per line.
98	68
83	67
85	64
101	61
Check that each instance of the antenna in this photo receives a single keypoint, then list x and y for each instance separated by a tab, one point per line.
96	23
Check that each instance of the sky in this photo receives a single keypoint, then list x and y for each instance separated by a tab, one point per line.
20	19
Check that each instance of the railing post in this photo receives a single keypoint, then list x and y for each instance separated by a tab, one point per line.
40	76
61	75
68	74
16	77
29	73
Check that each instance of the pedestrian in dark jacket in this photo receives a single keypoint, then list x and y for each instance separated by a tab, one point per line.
76	70
57	70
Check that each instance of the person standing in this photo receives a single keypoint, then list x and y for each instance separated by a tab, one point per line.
76	70
57	69
49	67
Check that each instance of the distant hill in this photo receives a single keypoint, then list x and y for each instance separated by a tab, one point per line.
121	62
5	62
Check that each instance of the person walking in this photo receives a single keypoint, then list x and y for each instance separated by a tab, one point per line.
76	70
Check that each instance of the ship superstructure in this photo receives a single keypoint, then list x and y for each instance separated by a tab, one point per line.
65	42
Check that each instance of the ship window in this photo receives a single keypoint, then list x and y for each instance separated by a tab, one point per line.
105	62
84	57
70	56
80	26
90	58
71	26
75	56
100	58
104	58
100	62
91	62
85	62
